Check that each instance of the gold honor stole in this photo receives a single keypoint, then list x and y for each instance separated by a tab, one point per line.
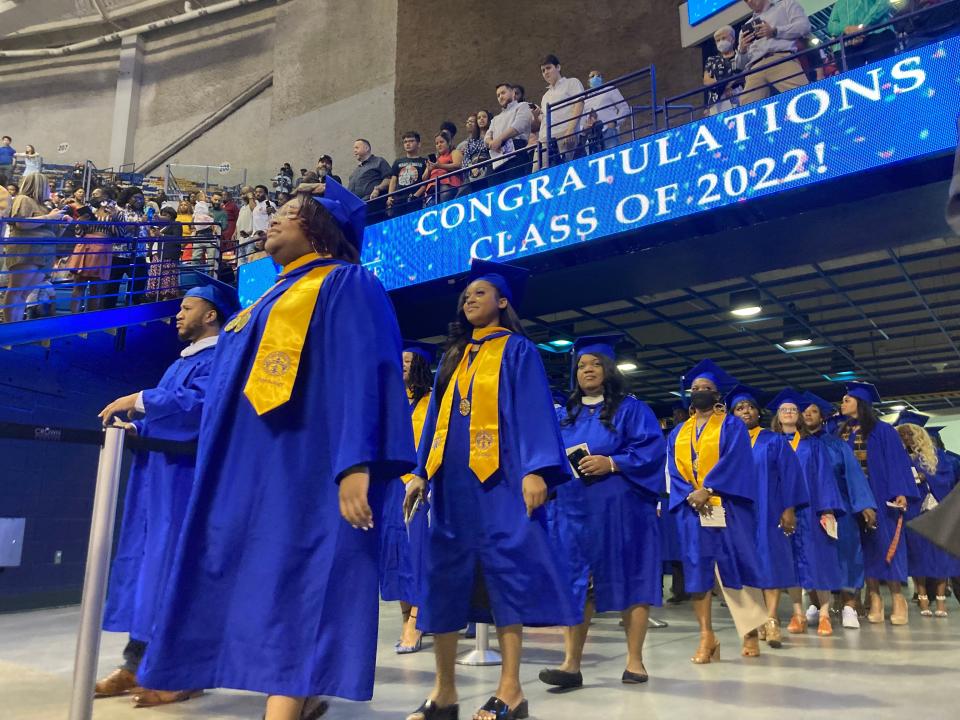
483	374
795	440
697	456
275	366
419	416
754	434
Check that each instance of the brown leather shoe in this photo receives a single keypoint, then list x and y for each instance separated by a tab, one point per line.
119	682
153	698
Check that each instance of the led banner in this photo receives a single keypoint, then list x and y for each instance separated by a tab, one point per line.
700	10
896	110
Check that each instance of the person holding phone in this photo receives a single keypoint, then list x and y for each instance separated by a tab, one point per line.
606	518
815	548
441	166
886	464
491	449
767	39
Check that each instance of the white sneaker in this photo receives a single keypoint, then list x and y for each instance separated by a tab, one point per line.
850	619
813	615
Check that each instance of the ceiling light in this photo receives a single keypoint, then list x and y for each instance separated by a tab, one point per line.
795	332
560	343
745	303
799	342
626	366
898	407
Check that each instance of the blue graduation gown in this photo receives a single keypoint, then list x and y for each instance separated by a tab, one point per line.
857	497
484	559
609	529
816	553
924	558
271	590
731	549
157	493
780	485
889	475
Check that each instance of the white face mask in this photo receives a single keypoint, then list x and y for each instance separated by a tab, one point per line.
724	45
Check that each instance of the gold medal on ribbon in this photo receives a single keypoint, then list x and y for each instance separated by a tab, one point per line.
464	407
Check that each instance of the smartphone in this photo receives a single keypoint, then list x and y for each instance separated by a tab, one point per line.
432	157
575	455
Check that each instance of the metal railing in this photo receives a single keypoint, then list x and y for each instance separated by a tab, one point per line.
85	265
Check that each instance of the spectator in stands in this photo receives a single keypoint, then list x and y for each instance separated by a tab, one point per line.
519	93
76	175
263	209
217	211
766	39
24	263
849	17
80	195
130	255
12	189
370	172
448	127
938	19
565	120
406	171
206	241
474	150
283	181
42	300
448	160
244	221
325	169
32	162
508	132
721	96
604	112
185	218
7	159
232	211
91	261
163	281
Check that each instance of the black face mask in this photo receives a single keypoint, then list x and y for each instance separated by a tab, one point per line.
703	399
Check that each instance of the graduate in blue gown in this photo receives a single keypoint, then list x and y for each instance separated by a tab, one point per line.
880	453
859	505
160	484
490	450
713	494
815	546
401	543
274	585
781	492
606	517
929	565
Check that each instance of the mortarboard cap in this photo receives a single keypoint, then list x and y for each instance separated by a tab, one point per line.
428	351
863	391
934	430
222	296
710	370
597	345
909	416
510	281
740	393
788	395
826	408
349	211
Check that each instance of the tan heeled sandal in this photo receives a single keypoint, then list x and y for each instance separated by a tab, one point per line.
751	645
708	651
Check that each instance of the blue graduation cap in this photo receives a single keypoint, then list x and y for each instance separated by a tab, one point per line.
740	393
863	391
826	408
934	431
597	345
428	351
908	416
349	211
788	395
559	397
510	281
222	296
712	372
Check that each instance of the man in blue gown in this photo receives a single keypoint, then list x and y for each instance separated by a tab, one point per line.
160	484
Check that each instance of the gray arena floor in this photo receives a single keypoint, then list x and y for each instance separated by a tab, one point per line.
878	672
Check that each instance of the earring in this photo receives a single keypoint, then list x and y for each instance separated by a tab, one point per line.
720	409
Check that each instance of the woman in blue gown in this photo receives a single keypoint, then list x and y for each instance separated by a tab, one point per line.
399	541
712	495
859	507
880	453
815	547
490	450
781	492
274	585
606	517
929	565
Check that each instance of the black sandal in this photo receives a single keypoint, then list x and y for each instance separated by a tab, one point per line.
314	712
502	711
431	711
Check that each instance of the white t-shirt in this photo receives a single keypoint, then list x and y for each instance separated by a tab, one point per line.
261	218
560	119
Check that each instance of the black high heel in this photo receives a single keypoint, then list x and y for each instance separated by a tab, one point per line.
431	711
502	711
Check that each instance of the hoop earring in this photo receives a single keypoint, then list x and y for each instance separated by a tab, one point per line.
720	409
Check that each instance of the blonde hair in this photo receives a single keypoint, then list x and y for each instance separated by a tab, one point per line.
918	443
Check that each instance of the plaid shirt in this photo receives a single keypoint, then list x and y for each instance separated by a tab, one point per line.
129	233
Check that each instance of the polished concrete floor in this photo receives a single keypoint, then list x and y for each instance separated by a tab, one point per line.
878	671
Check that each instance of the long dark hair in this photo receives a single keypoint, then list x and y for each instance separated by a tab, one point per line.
325	235
419	378
866	418
459	332
614	391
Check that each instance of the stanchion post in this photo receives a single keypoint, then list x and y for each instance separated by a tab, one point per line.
95	575
482	654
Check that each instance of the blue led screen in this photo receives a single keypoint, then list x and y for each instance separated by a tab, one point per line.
700	10
900	109
254	278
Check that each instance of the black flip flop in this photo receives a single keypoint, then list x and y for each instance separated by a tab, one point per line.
502	711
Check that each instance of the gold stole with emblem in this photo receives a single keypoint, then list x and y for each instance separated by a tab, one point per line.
274	370
483	375
696	456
